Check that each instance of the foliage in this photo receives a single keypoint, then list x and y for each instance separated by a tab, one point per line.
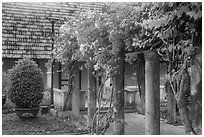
99	36
176	30
171	28
5	83
27	85
46	101
175	26
168	27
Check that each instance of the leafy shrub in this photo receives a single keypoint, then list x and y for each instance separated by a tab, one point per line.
27	85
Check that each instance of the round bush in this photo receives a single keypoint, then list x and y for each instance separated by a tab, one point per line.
27	85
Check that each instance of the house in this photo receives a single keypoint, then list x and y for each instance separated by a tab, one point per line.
28	31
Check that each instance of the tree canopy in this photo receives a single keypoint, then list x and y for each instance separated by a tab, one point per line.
137	26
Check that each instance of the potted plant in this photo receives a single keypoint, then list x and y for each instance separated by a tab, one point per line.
27	87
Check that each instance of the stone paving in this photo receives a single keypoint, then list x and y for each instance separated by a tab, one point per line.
136	126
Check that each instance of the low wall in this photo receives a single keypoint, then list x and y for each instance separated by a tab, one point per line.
60	99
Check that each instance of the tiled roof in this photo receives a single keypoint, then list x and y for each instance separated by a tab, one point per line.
26	30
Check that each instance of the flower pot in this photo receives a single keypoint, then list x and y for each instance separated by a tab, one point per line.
3	100
27	112
44	109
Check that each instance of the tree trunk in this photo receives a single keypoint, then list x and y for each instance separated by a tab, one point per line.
142	82
76	95
171	105
152	92
182	104
196	92
118	89
140	73
91	95
142	105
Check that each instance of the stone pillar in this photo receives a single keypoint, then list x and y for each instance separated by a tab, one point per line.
76	95
82	99
152	93
47	93
60	74
48	78
91	94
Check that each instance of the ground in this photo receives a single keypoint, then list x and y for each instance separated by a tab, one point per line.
136	126
65	123
47	124
43	124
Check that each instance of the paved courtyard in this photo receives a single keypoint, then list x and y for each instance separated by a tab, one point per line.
136	126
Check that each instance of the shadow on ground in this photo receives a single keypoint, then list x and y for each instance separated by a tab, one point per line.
136	126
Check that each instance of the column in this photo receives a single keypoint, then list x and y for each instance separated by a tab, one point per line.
76	95
49	77
60	74
152	93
